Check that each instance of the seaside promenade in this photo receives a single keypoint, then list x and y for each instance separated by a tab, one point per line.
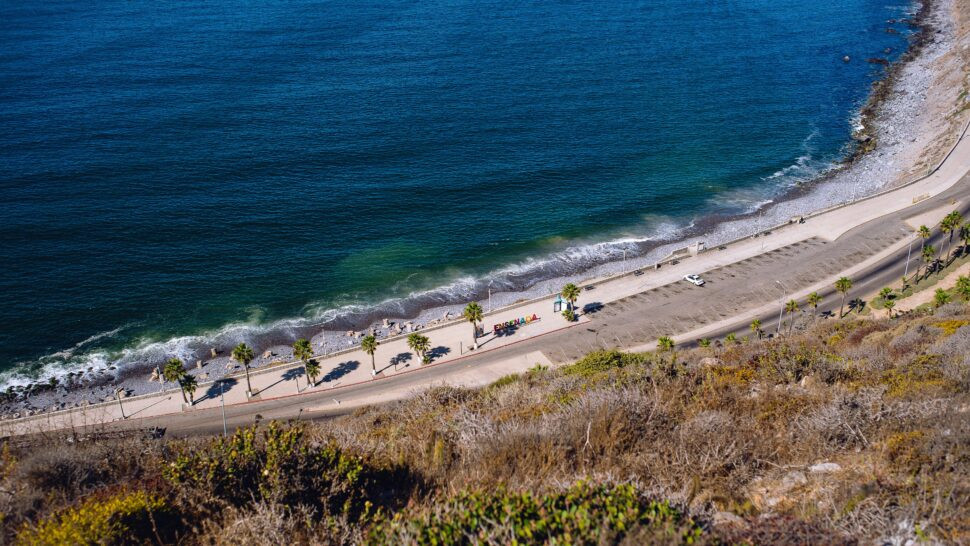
747	279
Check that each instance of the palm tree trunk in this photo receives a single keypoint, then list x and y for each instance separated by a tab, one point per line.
191	399
842	306
249	386
791	322
186	400
373	363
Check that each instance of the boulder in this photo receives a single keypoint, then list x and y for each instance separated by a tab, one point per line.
709	361
824	468
268	354
792	480
199	364
213	352
385	323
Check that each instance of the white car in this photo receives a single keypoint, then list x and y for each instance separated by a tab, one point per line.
696	280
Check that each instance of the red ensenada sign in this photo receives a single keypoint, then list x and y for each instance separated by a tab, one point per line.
522	321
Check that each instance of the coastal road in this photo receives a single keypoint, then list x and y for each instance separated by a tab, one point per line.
639	319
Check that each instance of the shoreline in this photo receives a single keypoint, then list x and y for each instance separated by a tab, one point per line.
885	113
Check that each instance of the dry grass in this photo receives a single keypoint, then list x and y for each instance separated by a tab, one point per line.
885	400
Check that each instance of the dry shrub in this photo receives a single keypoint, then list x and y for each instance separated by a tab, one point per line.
952	309
913	339
955	346
271	523
783	530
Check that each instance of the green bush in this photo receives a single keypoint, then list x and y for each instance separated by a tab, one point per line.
503	381
278	465
600	361
128	518
583	514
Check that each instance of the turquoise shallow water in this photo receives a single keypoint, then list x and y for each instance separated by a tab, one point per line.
170	168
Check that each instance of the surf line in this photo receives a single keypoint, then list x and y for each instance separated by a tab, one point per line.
521	321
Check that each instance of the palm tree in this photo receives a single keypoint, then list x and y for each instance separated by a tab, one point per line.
928	252
965	237
420	345
570	293
814	299
924	234
369	345
473	314
945	227
665	344
243	354
843	285
952	221
756	327
791	307
424	345
731	338
312	368
886	293
189	384
889	307
704	343
414	341
963	287
304	351
940	297
174	371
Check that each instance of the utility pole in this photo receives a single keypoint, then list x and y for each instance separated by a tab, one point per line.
222	395
908	254
118	395
781	308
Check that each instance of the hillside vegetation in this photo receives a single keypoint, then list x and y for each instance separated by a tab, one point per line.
848	432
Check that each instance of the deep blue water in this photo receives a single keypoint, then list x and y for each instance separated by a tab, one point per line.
167	168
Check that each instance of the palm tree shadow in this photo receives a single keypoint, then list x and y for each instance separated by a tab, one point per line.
592	308
340	370
438	352
217	388
858	305
288	375
401	358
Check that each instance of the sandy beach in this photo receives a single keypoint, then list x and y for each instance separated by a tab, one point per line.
914	122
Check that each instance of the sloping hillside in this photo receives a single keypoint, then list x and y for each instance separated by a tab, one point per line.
848	432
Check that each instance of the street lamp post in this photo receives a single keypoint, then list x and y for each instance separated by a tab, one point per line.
222	395
781	308
118	395
908	254
490	296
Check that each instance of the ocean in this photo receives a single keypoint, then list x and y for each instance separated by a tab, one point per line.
180	174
